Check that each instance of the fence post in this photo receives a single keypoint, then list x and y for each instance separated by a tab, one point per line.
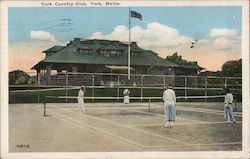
149	102
66	88
93	87
225	82
206	88
118	87
141	86
164	81
185	87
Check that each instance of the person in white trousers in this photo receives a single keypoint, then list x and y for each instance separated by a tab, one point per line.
169	99
228	109
81	100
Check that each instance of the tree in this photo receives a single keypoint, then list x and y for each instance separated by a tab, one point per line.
18	77
178	60
232	68
21	80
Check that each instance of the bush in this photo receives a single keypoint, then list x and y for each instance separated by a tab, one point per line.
21	80
32	80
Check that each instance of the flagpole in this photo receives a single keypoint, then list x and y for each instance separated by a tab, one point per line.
129	38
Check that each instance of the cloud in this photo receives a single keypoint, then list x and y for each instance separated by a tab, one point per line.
24	55
210	52
155	35
217	32
42	35
224	39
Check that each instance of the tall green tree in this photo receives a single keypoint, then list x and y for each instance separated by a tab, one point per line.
18	77
178	60
232	68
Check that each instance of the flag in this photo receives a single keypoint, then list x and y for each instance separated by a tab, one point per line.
136	15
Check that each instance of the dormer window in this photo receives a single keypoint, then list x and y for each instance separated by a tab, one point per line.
84	50
110	50
111	53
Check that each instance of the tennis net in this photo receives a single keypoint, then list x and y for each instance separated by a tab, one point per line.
116	103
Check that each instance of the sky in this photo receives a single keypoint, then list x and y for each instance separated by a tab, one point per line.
216	31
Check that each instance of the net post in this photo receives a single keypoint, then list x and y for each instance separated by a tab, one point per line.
235	105
149	102
44	106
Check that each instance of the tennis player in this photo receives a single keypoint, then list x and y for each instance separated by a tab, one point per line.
169	99
228	109
126	93
81	100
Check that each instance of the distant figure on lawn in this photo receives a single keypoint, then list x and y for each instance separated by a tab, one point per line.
169	99
228	109
81	100
126	93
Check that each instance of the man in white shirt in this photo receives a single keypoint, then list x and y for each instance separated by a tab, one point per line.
80	99
169	99
228	109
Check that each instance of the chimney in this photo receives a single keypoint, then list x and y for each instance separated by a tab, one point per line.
76	41
134	43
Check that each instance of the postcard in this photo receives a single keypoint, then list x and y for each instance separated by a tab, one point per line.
125	79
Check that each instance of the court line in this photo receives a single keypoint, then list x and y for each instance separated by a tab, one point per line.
157	114
128	127
135	125
101	131
140	107
202	110
147	147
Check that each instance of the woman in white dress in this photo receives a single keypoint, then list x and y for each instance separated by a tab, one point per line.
81	100
126	93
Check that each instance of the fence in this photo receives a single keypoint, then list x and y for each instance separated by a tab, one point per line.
142	80
101	84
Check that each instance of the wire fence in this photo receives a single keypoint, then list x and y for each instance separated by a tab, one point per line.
107	84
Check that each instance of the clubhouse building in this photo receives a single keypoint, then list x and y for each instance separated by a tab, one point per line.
105	59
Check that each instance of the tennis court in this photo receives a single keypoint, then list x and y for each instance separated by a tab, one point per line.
116	126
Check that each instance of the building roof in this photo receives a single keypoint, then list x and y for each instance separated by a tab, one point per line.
54	49
70	54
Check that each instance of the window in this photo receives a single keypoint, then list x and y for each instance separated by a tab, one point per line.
84	51
105	53
113	53
109	53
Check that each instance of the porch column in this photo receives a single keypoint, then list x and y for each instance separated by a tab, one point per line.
38	77
48	73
